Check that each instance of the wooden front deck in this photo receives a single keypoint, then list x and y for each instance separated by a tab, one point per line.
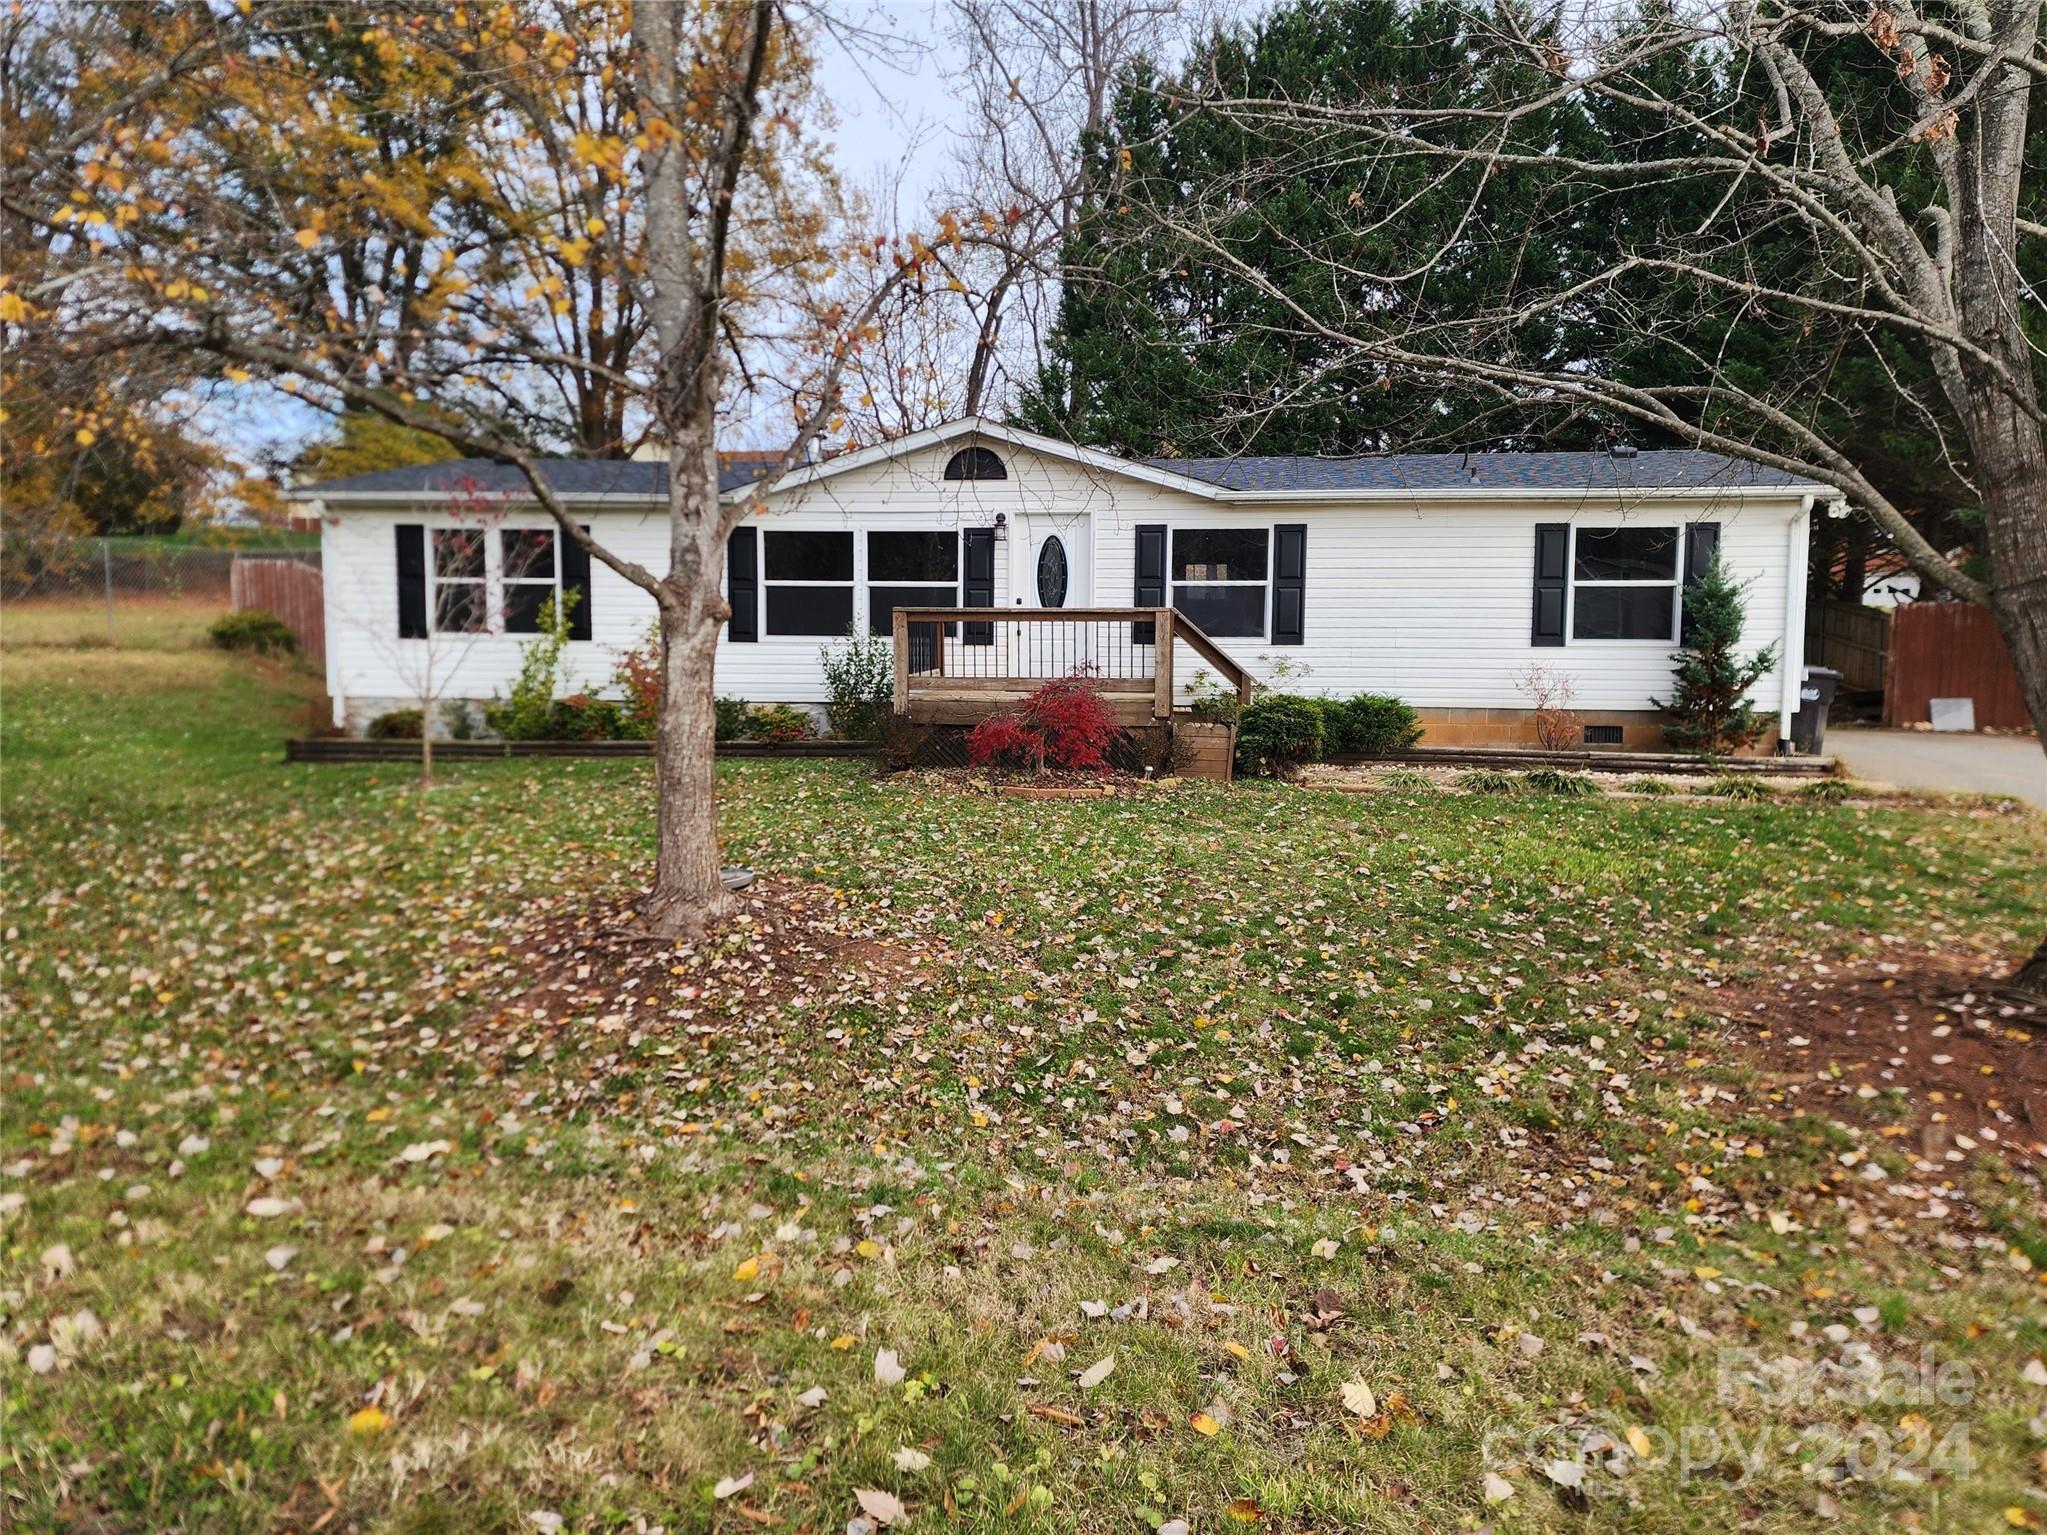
957	666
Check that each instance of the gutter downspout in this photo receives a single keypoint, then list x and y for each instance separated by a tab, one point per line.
1797	547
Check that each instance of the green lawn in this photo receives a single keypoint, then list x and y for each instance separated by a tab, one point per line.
331	1200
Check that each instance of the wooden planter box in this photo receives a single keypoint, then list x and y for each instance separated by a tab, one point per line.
1205	748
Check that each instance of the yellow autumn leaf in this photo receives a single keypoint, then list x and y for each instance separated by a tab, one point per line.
1638	1442
377	1116
867	1247
307	238
1205	1425
371	1420
86	436
1236	1350
747	1270
843	1342
236	375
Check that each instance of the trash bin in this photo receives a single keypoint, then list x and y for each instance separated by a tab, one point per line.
1815	698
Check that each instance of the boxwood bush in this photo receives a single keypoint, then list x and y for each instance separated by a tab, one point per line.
1371	724
1278	734
256	630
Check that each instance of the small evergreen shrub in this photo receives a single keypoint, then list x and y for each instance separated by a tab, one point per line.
579	717
732	718
255	631
1709	709
1278	734
860	676
1371	724
1738	786
1489	781
1555	781
397	725
779	725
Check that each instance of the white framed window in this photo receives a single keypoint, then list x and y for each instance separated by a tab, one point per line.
910	568
807	582
531	575
1220	578
460	598
1624	583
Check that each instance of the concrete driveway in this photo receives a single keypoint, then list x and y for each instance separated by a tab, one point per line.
1918	759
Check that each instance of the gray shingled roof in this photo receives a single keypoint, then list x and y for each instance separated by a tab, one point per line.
1675	469
1679	469
568	476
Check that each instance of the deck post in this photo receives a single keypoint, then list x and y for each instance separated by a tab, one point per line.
901	638
1162	664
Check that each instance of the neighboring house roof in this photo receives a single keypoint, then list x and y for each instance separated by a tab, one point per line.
1251	478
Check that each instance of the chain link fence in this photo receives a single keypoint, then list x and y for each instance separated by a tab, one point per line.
145	592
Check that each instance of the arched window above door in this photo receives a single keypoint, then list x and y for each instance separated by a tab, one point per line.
975	464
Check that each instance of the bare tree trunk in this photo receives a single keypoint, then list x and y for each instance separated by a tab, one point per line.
689	895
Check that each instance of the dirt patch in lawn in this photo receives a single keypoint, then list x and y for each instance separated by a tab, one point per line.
1913	1035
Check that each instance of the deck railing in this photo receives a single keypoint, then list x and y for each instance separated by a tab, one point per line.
957	665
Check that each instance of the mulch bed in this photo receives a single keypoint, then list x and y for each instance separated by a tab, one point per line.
1970	1059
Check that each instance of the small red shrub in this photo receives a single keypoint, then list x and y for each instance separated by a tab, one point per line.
1065	723
1075	723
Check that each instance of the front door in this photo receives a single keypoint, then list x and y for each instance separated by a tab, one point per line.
1050	568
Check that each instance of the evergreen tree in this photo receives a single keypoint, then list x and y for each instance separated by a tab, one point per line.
1709	709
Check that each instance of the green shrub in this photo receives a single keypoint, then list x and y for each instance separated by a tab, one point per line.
398	725
1709	708
780	725
1279	734
1371	724
1831	790
732	718
257	631
1489	781
527	713
1649	786
1740	786
1212	698
860	676
1555	781
579	717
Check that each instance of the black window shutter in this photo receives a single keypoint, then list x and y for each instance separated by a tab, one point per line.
411	581
743	585
1151	578
1552	574
576	578
978	590
1702	543
1289	583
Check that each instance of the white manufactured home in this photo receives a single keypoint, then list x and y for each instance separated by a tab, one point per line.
1441	578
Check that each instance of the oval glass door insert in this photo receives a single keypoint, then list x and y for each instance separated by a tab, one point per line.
1052	573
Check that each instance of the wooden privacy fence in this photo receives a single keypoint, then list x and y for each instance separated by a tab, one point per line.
1851	639
1950	650
291	590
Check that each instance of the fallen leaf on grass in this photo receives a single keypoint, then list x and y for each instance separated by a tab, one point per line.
269	1206
881	1507
747	1270
1497	1488
907	1459
731	1485
888	1369
371	1420
1096	1373
1358	1398
1205	1425
421	1151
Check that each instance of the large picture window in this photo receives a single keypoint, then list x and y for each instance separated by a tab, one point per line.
808	581
531	576
460	600
1219	579
1624	584
910	570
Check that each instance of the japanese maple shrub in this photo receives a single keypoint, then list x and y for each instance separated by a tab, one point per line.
1065	724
